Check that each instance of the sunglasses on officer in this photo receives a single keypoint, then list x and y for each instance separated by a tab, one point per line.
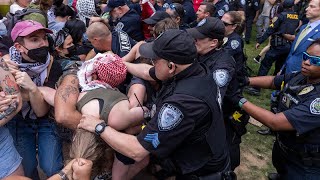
227	24
314	60
171	6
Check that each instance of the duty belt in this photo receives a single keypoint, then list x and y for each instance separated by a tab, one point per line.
307	158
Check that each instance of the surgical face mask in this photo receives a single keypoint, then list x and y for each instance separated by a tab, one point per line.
72	50
39	54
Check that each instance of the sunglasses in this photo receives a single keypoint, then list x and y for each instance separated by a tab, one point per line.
227	24
171	6
314	60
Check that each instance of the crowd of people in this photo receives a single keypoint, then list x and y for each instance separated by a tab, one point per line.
95	89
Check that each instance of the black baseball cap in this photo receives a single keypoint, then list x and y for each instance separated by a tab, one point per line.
209	27
113	4
173	45
156	17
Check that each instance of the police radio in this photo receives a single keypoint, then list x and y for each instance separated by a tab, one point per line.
146	114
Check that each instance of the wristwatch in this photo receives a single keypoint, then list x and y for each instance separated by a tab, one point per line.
100	128
242	101
63	175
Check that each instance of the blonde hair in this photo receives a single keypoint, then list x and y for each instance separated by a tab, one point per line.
89	146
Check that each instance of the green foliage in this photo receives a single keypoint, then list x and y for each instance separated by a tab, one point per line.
256	149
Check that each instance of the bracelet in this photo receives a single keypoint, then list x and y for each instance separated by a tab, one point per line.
242	101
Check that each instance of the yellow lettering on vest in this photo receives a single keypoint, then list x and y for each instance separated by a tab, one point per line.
292	16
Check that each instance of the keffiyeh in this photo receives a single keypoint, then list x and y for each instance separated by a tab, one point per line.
86	9
37	72
109	68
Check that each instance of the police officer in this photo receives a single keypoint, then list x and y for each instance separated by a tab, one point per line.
235	119
284	23
221	6
185	119
296	149
209	37
251	13
125	19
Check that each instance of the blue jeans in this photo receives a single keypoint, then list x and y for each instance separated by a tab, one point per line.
37	137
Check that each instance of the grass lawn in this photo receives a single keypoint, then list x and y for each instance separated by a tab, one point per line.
256	149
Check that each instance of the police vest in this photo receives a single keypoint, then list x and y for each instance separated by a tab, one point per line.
290	98
207	142
289	24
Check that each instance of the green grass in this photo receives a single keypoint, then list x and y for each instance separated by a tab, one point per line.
256	149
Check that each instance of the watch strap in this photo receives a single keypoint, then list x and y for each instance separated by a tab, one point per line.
98	132
63	175
242	101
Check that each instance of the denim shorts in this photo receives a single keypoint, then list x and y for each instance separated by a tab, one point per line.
9	156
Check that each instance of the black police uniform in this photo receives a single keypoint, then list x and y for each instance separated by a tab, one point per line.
187	131
300	103
251	7
284	23
129	23
121	43
234	47
236	5
190	15
222	65
222	7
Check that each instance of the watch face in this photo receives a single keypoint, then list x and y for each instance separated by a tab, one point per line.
99	128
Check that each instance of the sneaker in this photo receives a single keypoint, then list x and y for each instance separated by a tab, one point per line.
253	91
273	176
265	131
257	59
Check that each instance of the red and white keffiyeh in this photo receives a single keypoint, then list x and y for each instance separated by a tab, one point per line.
109	69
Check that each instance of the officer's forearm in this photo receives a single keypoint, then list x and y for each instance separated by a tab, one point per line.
125	144
274	121
140	70
265	82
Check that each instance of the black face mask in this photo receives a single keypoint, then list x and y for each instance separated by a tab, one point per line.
72	51
39	54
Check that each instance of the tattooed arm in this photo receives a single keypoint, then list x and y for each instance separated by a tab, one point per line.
65	102
10	97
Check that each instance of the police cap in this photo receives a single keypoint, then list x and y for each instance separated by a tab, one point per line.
113	4
156	17
173	45
288	3
209	27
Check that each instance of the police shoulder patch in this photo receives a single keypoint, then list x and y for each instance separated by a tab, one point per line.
221	12
315	106
169	117
221	77
235	44
243	2
256	4
226	7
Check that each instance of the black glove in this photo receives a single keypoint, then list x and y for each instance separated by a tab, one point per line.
243	82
